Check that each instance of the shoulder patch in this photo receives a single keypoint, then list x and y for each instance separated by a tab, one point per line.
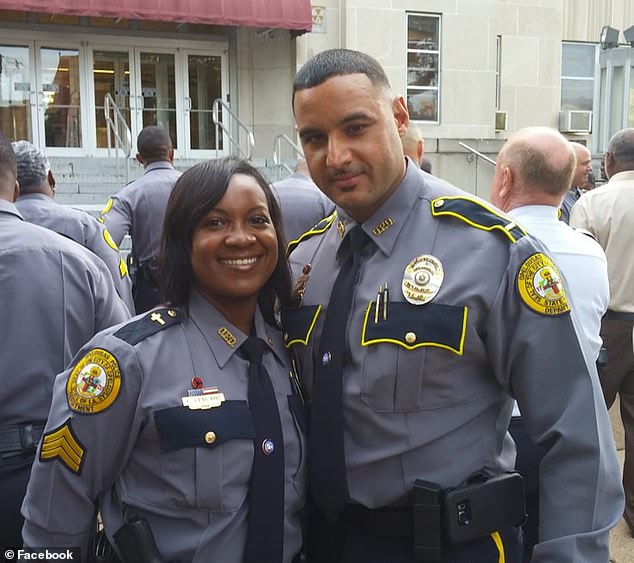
149	324
477	214
61	444
318	229
539	285
94	383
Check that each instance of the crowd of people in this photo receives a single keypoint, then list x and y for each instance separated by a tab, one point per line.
358	364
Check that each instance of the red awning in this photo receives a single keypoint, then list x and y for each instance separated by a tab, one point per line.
283	14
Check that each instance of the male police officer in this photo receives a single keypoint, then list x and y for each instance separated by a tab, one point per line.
139	208
454	308
54	296
36	205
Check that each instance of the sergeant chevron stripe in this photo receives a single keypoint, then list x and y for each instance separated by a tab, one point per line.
62	444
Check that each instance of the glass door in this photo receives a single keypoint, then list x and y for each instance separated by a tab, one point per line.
59	97
204	83
17	100
111	75
156	104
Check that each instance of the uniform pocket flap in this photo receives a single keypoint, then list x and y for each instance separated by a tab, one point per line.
298	324
180	427
413	326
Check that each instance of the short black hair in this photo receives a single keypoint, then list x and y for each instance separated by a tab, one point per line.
196	192
338	62
154	143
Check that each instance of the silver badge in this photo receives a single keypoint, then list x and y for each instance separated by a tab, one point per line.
422	279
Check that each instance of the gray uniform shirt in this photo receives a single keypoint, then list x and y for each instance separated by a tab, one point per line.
54	296
139	209
146	455
83	229
303	204
426	386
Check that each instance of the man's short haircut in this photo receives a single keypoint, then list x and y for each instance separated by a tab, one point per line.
33	166
536	170
154	143
621	147
338	62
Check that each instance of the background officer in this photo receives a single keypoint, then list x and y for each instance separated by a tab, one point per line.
302	203
533	172
139	209
453	310
184	429
54	296
36	205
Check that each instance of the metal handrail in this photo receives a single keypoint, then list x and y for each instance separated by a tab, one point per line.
477	153
250	138
277	152
119	128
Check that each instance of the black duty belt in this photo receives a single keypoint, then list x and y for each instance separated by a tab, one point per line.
619	316
389	520
20	438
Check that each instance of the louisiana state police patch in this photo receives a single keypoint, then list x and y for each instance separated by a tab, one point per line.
540	286
94	383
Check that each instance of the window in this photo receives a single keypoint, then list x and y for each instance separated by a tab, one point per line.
423	67
578	63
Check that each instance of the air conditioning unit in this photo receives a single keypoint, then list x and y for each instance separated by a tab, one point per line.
501	118
574	121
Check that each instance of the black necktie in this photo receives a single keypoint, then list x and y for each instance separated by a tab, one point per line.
266	492
326	458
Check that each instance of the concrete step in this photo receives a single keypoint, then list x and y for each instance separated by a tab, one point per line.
91	181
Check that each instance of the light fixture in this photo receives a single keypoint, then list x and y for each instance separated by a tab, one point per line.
629	35
609	37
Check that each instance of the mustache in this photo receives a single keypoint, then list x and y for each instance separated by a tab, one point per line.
336	173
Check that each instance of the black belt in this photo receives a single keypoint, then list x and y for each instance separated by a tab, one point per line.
20	438
619	316
388	520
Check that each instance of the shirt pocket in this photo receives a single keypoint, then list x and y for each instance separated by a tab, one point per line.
220	439
410	354
299	325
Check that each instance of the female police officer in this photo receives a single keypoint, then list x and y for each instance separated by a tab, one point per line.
165	420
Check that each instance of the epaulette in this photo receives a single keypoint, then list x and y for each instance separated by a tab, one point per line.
149	324
318	229
477	214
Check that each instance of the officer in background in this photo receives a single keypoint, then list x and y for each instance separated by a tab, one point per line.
54	296
302	203
532	175
36	205
139	209
162	420
414	144
582	179
454	310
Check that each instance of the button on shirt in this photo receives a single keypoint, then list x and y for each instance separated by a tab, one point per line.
435	405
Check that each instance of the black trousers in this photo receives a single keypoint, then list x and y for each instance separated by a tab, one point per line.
344	542
14	477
